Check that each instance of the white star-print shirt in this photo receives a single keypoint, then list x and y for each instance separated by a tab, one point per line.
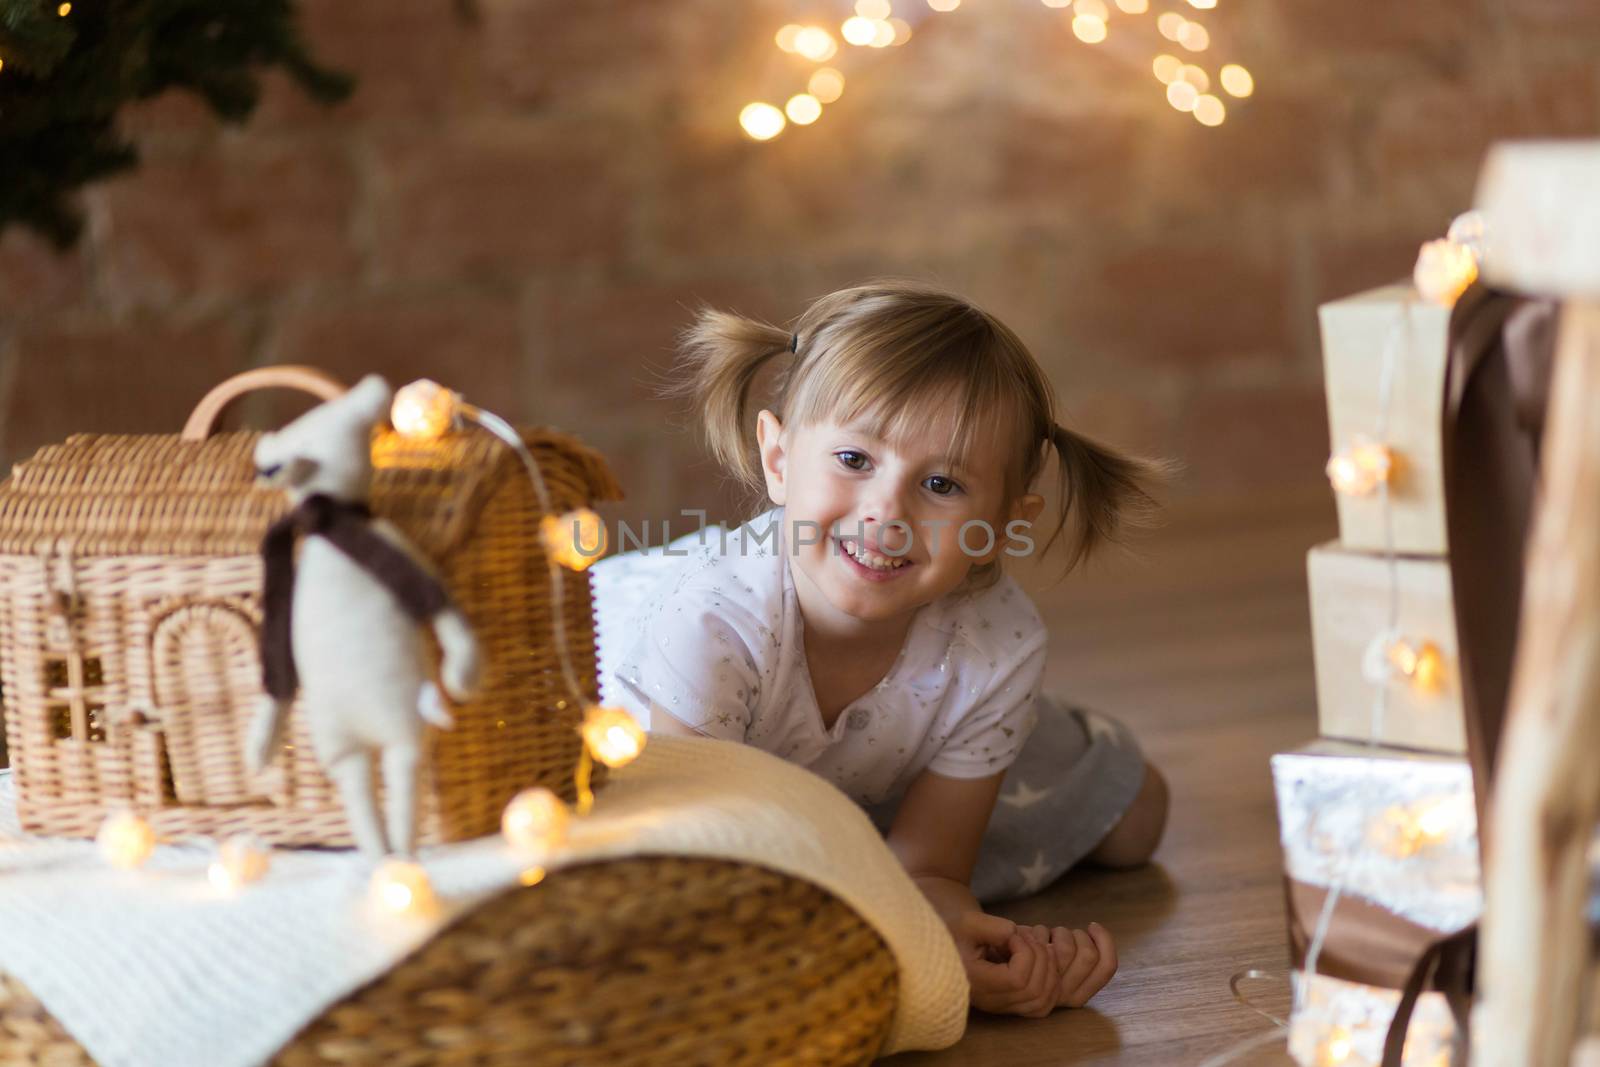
714	637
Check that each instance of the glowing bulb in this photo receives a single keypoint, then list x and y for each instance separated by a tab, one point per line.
536	820
873	9
1444	270
612	736
1057	3
902	31
1095	9
1209	110
786	37
402	888
531	876
125	840
1194	37
1166	68
1171	24
1237	81
1089	30
803	109
1203	5
858	31
882	35
816	44
1182	95
1134	7
1336	1049
64	10
1196	77
1359	469
763	122
2	64
1422	664
944	5
827	85
423	410
241	859
574	540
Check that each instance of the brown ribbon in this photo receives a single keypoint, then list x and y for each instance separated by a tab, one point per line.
347	526
1497	383
1371	945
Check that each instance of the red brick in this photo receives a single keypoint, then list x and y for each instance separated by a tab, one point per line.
250	218
37	279
1345	28
138	376
612	344
469	343
1255	438
499	198
1181	301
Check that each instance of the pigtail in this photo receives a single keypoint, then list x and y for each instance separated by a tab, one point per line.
1103	493
720	356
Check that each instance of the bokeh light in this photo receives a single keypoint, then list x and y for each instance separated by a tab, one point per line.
1209	110
873	9
1171	24
786	36
827	85
1088	29
1166	68
816	44
761	121
1182	95
1194	37
858	31
1237	81
803	109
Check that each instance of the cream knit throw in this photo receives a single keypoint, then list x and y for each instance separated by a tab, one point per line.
156	967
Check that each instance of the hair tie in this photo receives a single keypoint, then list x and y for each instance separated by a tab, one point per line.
794	342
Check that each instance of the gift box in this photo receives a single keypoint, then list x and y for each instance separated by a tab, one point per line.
1360	335
1417	663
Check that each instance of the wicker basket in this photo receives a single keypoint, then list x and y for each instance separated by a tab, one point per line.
130	586
645	961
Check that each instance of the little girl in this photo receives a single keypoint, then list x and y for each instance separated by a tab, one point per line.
863	627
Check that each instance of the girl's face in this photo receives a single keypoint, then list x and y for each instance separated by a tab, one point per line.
876	527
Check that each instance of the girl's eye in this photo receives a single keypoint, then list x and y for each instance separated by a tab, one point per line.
941	486
853	460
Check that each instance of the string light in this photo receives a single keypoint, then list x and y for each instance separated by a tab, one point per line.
401	887
612	735
64	10
816	44
1237	81
1195	76
944	5
873	9
1404	832
1208	110
882	35
1170	24
1335	1048
126	840
826	84
803	109
761	121
1361	468
1089	29
858	31
423	410
1194	37
1444	270
1423	664
1134	7
1182	95
241	859
531	876
1057	3
536	820
1470	230
1095	9
1203	5
1166	68
574	540
787	36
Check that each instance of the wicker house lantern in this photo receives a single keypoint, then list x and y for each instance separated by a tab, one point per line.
130	589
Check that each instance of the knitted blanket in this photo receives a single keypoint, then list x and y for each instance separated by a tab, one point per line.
155	966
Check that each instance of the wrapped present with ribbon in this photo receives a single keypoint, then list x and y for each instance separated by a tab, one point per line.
1381	855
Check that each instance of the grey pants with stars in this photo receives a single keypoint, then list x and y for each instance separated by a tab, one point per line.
1076	776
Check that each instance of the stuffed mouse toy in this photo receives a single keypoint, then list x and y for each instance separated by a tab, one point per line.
342	623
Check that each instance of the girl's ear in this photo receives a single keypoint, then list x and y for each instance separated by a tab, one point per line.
1025	509
769	438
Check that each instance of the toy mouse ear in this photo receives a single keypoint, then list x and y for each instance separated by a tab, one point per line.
372	395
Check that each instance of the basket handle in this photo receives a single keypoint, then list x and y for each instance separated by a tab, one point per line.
318	383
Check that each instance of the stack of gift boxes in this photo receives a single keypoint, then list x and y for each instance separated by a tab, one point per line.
1378	812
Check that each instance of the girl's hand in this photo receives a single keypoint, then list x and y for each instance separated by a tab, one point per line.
1010	973
1085	960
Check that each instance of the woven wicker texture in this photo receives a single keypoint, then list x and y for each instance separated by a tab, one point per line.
131	600
642	961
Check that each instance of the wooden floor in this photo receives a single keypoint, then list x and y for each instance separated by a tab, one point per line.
1203	646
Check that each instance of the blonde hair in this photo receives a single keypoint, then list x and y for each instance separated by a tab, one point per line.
888	352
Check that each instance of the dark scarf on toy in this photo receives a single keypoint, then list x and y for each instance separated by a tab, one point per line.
347	526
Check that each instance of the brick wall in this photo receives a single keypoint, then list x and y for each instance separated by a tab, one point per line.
528	202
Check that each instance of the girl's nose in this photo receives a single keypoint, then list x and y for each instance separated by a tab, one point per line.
885	531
